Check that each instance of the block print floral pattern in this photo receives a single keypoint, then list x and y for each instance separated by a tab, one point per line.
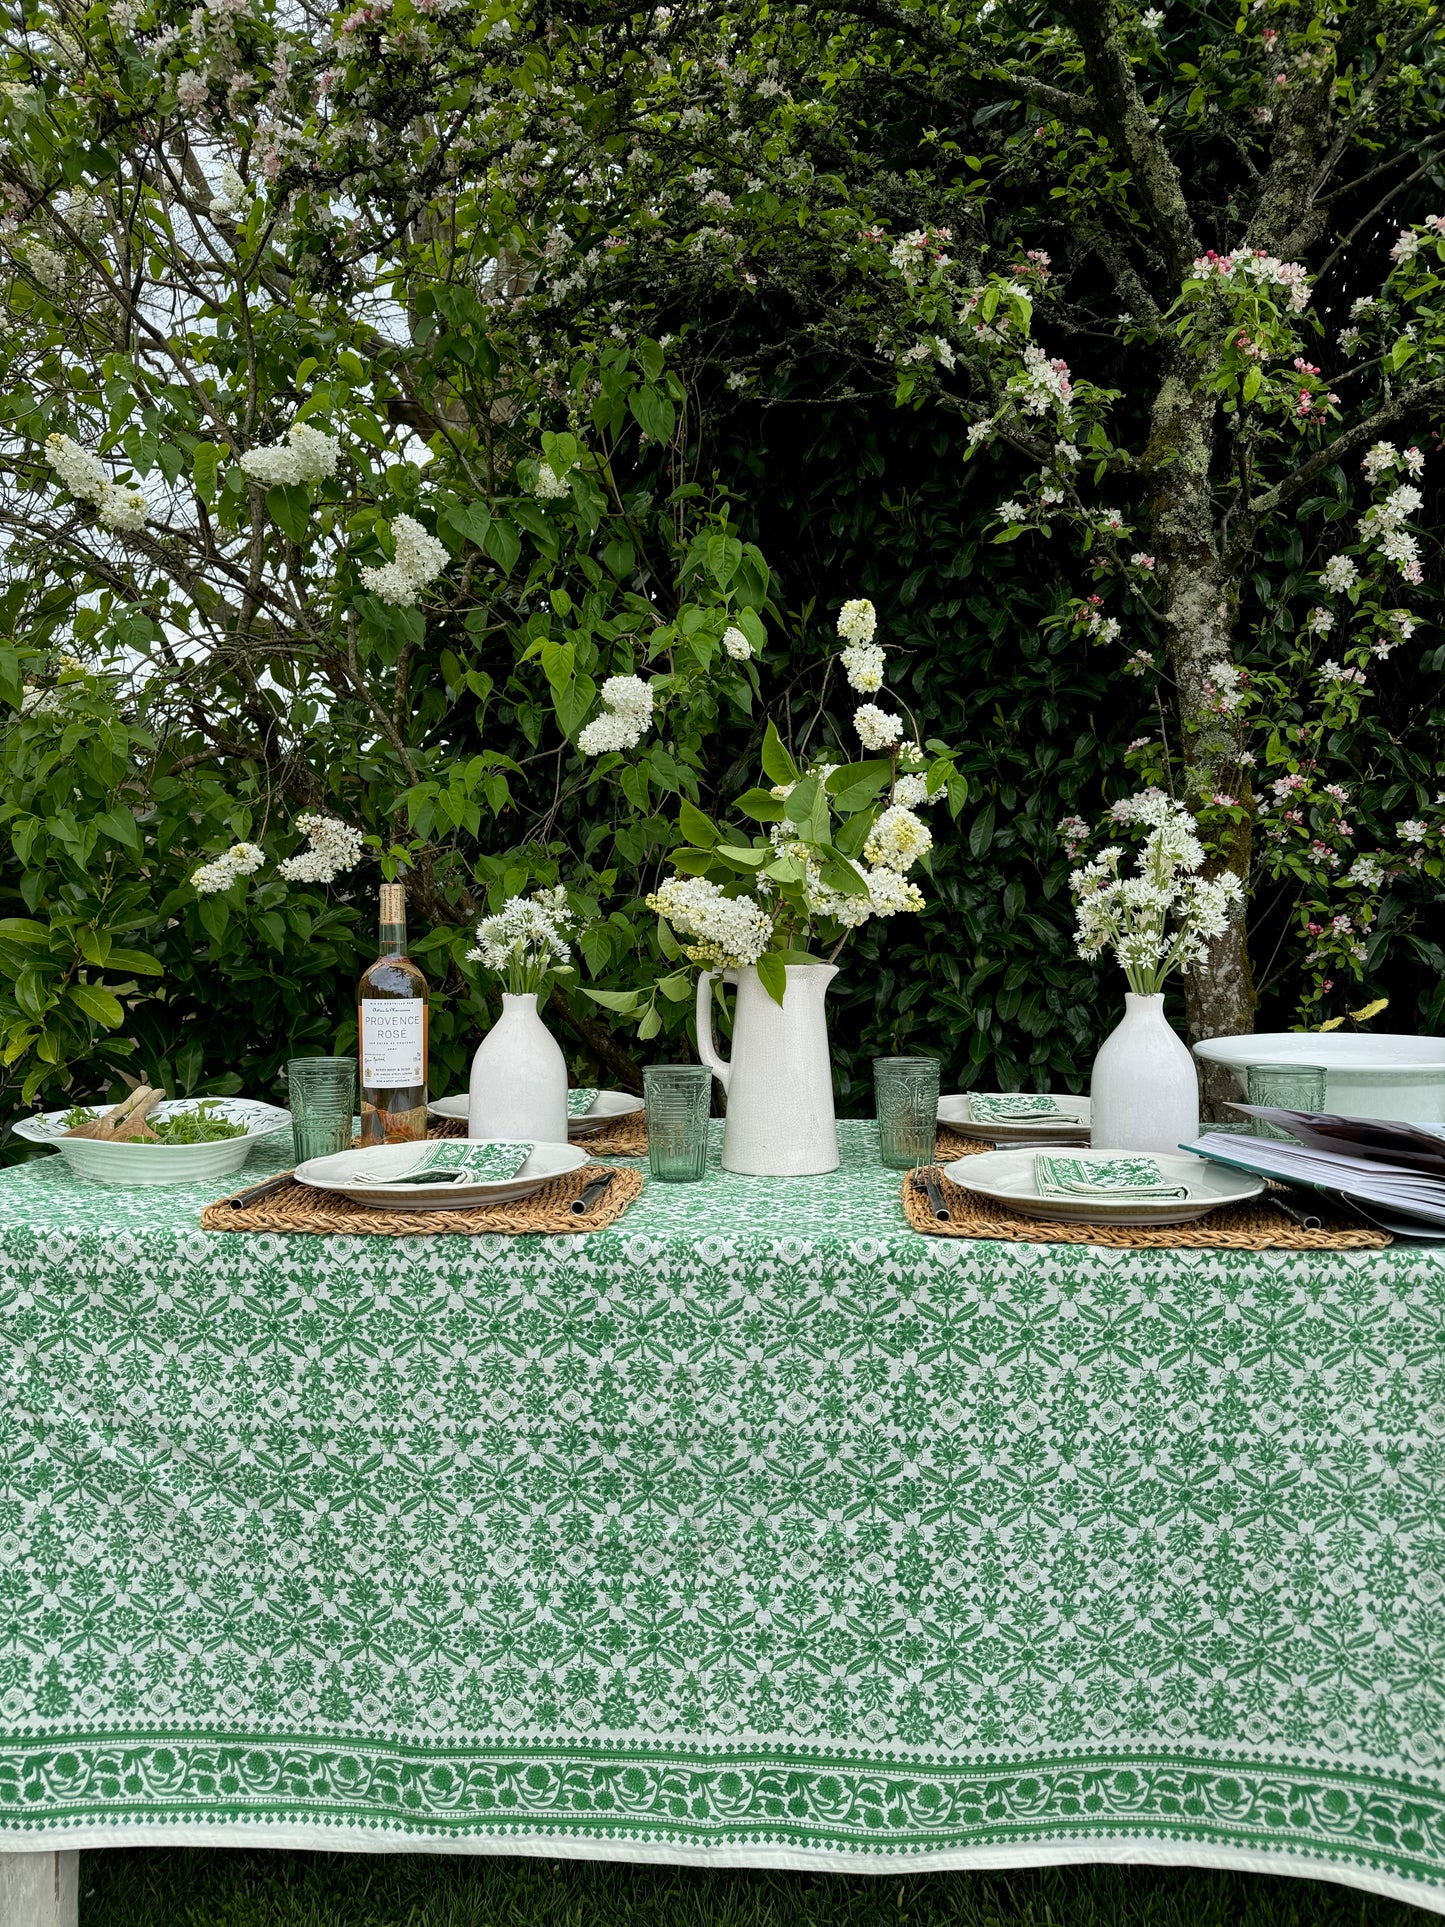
757	1520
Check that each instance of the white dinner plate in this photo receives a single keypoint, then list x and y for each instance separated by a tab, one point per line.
608	1106
1008	1178
131	1164
369	1177
1069	1126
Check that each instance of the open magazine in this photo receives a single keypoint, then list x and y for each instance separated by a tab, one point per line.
1393	1174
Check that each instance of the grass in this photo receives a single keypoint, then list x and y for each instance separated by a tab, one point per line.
214	1887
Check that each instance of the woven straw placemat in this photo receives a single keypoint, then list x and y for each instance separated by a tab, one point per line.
1258	1225
301	1208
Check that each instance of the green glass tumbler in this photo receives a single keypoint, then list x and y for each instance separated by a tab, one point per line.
323	1105
906	1093
1285	1087
678	1099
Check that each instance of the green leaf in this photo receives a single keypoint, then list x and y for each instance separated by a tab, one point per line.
97	1004
697	828
503	544
980	834
843	878
205	464
761	805
1252	381
773	975
120	826
692	863
724	558
23	930
677	986
741	858
289	508
624	1002
854	786
777	763
651	1023
655	414
799	807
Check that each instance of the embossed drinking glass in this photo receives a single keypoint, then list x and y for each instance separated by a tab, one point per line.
323	1104
1285	1087
905	1090
678	1098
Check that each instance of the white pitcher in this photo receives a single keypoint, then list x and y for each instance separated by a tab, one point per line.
779	1082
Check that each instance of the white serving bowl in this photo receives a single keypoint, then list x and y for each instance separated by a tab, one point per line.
132	1165
1367	1073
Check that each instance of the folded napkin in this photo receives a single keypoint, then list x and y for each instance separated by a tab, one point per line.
581	1100
455	1160
1104	1180
1011	1106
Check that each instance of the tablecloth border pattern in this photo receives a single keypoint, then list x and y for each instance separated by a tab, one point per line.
620	1800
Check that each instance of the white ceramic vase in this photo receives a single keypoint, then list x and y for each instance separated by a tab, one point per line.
779	1080
519	1078
1144	1095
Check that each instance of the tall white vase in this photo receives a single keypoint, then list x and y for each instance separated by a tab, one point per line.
519	1078
1144	1095
779	1080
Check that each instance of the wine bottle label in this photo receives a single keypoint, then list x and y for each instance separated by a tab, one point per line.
393	1043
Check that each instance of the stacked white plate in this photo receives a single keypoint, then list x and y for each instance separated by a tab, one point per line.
1068	1125
104	1161
370	1177
608	1106
1008	1178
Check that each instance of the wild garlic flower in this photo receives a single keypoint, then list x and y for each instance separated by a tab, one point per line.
1131	915
526	938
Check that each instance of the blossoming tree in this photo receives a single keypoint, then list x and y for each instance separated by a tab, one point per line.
341	390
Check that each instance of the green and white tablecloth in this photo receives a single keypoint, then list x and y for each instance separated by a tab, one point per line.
756	1530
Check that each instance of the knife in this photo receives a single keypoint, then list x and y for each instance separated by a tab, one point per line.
585	1200
1306	1220
925	1181
254	1193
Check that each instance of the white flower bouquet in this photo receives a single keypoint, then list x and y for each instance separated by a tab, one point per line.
1162	917
527	940
830	845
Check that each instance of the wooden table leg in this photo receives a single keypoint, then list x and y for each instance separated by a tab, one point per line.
39	1889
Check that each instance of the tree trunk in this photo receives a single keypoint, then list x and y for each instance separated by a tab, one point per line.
1199	605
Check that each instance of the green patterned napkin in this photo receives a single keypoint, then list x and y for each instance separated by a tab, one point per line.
1104	1180
1011	1105
581	1100
458	1160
